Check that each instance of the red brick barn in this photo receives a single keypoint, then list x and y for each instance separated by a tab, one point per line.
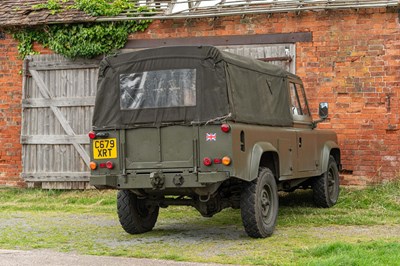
347	53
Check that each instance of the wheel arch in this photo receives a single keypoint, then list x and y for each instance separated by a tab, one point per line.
330	148
264	154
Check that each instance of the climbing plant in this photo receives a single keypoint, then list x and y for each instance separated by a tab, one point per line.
85	40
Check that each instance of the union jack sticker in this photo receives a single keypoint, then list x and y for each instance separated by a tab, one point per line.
211	136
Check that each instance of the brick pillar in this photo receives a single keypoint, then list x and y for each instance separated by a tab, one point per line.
10	113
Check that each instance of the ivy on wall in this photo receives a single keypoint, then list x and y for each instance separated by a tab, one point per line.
85	40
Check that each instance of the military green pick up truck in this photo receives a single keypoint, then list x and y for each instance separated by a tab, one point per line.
200	127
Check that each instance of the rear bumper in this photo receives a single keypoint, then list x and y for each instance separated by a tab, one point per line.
158	180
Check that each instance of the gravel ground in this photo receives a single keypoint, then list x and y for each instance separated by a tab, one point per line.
105	231
48	257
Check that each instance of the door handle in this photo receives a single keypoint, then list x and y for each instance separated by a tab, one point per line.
300	142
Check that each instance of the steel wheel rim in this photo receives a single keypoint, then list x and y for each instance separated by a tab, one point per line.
266	204
331	185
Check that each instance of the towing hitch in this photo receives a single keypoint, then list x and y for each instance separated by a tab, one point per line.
157	180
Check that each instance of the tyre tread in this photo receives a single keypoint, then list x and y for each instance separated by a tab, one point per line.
248	210
128	217
320	189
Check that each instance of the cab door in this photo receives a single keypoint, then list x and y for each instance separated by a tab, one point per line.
307	161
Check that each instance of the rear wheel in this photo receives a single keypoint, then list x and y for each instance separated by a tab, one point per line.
326	186
134	215
259	205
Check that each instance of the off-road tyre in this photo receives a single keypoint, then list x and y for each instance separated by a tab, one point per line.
259	204
326	186
135	217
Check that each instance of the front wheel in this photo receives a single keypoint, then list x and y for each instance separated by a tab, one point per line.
259	205
134	215
326	186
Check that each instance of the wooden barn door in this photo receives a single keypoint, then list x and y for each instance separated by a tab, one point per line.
282	55
58	101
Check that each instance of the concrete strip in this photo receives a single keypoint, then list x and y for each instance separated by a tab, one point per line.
46	257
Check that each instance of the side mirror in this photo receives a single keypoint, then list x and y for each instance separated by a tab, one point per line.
323	110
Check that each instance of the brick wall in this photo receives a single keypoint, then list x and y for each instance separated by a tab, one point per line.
353	63
10	113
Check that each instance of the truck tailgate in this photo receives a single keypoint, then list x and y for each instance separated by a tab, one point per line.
164	147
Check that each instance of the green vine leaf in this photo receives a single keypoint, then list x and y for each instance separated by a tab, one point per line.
53	5
103	7
85	40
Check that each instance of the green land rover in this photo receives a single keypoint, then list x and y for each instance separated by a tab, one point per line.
200	127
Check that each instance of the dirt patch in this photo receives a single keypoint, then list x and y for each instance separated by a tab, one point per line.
364	232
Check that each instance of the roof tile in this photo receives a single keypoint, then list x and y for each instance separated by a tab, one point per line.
23	13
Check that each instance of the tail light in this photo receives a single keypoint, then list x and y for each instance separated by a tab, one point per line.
92	135
217	161
225	128
207	161
226	160
93	165
109	165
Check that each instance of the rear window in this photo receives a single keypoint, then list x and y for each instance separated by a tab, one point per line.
158	89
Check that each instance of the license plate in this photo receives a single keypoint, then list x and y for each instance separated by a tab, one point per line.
104	148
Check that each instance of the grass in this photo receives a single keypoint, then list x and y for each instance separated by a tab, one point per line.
362	229
57	200
339	253
370	206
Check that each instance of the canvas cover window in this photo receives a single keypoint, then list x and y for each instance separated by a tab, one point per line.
158	89
298	100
